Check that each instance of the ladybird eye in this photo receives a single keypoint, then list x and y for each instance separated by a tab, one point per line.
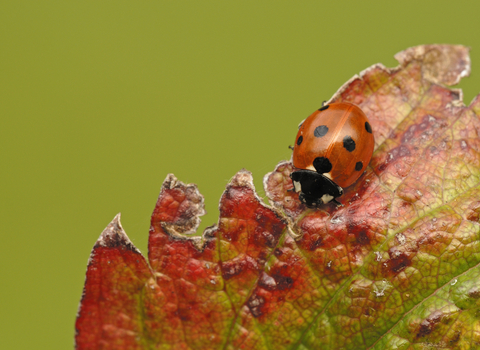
320	131
300	140
368	127
358	166
348	143
324	108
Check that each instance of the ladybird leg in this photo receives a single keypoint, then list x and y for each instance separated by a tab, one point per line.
337	203
290	146
307	200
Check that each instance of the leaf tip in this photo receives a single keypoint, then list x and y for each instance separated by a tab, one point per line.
442	63
243	178
114	236
171	182
181	206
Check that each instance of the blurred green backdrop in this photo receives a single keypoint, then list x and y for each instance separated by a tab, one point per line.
100	100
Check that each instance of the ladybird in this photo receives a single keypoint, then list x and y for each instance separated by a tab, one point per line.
333	148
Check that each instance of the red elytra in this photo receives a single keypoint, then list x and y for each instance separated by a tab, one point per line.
335	141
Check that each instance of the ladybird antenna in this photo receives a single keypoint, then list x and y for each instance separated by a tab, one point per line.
290	146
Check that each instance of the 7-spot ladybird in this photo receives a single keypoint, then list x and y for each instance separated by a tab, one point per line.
333	147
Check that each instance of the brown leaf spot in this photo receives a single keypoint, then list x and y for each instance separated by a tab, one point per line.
283	282
255	304
395	154
362	237
473	212
433	151
423	131
398	262
277	280
357	227
268	230
428	325
183	314
265	238
262	258
179	205
232	232
474	293
278	252
267	282
315	232
455	338
237	266
314	244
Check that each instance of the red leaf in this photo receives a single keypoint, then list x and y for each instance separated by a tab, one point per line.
397	267
109	316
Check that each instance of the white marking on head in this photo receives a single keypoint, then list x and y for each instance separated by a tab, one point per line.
340	190
298	186
326	198
327	175
311	167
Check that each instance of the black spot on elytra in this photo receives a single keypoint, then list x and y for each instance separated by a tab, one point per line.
348	143
368	127
323	108
320	131
300	140
398	262
358	166
322	165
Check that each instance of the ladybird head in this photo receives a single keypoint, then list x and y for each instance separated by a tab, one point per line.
314	189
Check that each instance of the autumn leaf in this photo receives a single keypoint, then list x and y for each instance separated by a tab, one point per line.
397	267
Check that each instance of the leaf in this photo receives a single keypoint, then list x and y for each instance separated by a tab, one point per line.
396	268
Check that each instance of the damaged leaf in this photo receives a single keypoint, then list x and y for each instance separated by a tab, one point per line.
397	267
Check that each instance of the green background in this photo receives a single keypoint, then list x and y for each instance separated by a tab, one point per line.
101	100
